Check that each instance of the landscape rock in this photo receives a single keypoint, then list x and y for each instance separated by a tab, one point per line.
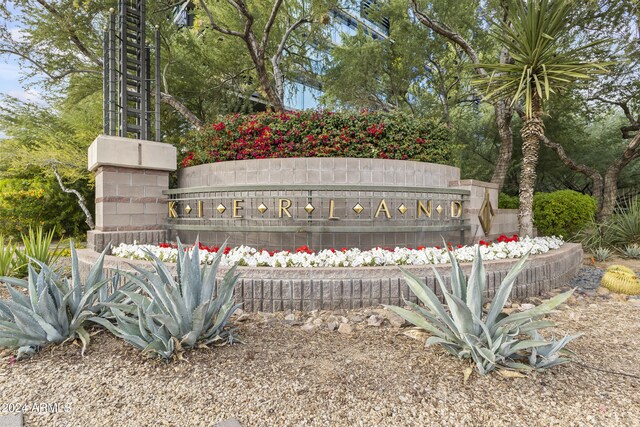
394	319
332	326
345	328
309	327
375	320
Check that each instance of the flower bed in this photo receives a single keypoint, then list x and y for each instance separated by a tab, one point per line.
504	248
318	134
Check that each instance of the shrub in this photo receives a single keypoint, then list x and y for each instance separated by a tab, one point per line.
506	201
54	309
562	213
490	339
168	315
38	202
319	134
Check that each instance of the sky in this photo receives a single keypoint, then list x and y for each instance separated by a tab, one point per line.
10	77
10	73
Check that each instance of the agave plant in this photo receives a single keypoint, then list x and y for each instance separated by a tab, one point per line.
169	315
53	310
492	339
631	251
602	254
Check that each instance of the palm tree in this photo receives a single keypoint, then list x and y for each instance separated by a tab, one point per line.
544	62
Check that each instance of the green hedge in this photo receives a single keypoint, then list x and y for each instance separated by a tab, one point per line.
39	202
506	201
319	134
564	212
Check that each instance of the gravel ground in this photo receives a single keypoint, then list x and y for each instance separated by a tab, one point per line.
293	371
347	368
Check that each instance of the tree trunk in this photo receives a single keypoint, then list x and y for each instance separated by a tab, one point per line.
595	176
257	56
504	113
610	190
532	131
182	110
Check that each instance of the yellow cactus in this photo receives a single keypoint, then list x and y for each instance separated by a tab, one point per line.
622	280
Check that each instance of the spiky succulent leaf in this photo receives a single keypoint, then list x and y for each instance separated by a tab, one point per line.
54	310
175	312
491	340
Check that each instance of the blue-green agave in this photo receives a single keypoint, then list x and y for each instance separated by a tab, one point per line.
491	339
171	314
54	309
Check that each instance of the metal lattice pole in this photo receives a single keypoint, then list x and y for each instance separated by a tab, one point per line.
127	76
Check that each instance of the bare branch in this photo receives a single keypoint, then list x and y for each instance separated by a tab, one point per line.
182	110
449	34
81	200
287	34
215	26
270	22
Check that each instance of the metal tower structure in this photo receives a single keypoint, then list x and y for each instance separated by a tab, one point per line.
127	75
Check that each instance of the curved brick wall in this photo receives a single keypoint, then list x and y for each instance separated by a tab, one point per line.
274	289
319	170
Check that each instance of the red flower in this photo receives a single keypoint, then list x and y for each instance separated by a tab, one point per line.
420	248
219	126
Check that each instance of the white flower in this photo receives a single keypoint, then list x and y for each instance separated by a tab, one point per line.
355	257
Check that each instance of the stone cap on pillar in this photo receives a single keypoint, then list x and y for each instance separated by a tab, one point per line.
109	150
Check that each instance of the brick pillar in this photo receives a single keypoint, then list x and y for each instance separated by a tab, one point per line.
131	176
473	205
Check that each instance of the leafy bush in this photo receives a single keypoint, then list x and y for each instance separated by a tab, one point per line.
506	201
54	309
562	213
38	202
168	316
319	134
490	339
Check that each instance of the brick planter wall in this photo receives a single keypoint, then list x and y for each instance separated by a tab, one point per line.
275	289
